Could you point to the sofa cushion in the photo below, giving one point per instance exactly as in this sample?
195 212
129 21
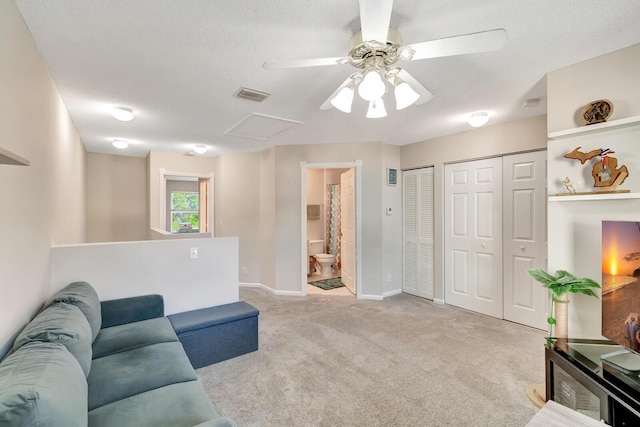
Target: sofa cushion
141 369
181 404
64 324
42 384
133 335
82 295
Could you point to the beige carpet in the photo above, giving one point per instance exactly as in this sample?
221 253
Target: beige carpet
404 361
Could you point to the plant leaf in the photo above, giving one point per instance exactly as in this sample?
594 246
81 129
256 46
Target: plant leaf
541 276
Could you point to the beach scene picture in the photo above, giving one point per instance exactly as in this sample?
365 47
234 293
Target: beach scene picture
621 282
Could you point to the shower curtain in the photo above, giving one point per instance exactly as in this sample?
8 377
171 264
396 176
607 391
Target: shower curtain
333 222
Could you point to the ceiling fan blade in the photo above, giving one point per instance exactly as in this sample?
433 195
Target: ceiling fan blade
375 16
300 63
485 41
326 105
425 95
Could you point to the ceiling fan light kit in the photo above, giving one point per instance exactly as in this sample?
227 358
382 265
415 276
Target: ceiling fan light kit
478 119
377 47
343 100
376 109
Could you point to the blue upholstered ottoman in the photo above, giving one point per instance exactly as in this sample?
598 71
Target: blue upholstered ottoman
211 335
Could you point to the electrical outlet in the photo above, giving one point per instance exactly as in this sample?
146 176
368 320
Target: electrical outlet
388 277
194 253
244 270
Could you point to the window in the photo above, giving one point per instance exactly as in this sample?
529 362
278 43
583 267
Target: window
185 211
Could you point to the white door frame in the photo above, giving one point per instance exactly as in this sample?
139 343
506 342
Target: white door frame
304 260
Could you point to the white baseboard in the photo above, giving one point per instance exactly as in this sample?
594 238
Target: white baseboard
392 293
438 301
371 297
252 285
290 293
268 289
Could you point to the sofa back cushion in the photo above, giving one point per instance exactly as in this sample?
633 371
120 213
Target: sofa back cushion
42 384
64 324
82 295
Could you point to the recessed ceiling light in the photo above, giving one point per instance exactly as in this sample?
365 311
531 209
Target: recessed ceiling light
119 143
123 114
200 149
479 119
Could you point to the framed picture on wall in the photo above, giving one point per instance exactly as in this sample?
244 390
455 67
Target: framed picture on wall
392 176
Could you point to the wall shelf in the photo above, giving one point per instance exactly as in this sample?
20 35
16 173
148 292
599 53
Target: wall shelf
599 127
9 158
595 196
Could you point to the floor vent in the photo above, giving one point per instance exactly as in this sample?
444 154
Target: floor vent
252 94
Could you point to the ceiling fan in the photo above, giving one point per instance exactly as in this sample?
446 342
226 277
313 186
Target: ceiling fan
376 49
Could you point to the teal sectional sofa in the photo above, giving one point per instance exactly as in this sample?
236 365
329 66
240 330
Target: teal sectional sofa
118 363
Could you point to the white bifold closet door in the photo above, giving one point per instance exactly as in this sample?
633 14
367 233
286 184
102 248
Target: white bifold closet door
495 228
417 231
473 236
525 237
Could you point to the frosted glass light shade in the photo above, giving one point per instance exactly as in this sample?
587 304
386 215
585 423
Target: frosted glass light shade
124 114
372 86
376 109
478 119
343 100
200 149
405 96
120 144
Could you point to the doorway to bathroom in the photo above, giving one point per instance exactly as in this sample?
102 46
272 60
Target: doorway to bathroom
330 228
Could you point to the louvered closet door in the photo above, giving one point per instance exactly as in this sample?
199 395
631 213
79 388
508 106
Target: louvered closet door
417 220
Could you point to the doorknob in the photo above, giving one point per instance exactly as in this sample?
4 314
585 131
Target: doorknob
522 248
483 245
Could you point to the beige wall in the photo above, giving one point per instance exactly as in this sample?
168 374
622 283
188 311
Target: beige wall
315 196
43 203
267 217
391 224
116 198
613 76
237 208
505 138
574 234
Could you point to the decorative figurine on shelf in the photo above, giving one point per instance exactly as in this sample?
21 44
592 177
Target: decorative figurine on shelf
568 185
597 111
606 173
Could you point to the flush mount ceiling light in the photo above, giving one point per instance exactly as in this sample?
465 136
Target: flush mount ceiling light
120 144
124 114
479 119
200 149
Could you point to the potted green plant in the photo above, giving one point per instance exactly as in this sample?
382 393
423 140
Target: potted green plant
561 285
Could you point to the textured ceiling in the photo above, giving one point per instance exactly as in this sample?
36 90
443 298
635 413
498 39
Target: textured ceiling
178 64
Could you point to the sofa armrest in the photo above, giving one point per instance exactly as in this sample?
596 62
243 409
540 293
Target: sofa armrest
133 309
219 422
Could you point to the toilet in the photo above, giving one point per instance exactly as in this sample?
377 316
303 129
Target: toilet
324 261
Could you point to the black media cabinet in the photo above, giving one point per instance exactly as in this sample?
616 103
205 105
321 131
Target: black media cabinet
576 377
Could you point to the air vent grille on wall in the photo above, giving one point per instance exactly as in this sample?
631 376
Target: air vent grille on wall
252 94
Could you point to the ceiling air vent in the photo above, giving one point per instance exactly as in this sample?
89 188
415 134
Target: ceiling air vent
252 94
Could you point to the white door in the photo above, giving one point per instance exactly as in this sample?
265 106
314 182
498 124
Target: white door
473 236
348 229
525 235
417 231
